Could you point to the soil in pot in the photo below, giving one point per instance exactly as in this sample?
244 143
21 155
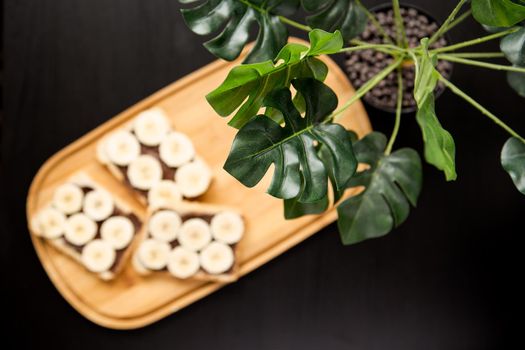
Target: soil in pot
363 65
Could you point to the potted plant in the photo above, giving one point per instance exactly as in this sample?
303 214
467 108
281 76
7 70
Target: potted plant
298 130
361 65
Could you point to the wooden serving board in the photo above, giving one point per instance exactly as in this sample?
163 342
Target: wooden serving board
132 301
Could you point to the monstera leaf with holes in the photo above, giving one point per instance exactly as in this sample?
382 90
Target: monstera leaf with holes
246 86
440 148
293 208
391 184
343 15
513 161
236 17
300 173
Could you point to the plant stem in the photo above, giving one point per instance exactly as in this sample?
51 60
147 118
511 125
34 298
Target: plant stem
458 20
364 47
475 41
294 24
481 64
400 27
482 109
476 54
372 18
399 104
386 46
369 85
361 45
416 64
447 22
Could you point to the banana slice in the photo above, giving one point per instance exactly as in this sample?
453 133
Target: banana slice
193 179
217 258
151 126
183 263
227 227
118 231
101 152
98 256
176 149
98 205
164 193
50 223
68 198
122 148
79 229
36 227
194 234
153 254
164 225
144 172
138 266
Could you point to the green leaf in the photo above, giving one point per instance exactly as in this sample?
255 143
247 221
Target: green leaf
498 13
299 171
516 80
325 153
392 184
237 17
344 15
293 208
439 145
492 29
513 46
277 116
513 161
246 86
322 42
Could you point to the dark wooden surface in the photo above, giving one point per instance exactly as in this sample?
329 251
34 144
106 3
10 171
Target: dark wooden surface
448 278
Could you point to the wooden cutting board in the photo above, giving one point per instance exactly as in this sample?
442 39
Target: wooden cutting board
132 301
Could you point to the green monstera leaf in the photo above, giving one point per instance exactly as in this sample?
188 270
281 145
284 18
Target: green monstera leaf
440 148
498 13
513 161
344 15
299 171
244 89
236 17
293 208
391 184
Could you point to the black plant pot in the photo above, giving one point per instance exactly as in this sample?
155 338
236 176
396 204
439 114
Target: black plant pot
362 65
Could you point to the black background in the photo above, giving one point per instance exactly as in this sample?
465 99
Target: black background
448 278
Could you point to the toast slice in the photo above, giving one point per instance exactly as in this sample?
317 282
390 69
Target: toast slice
159 167
191 240
87 223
